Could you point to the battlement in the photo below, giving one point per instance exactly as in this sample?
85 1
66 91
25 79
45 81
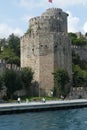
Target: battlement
42 17
35 19
54 12
48 14
25 36
54 9
52 20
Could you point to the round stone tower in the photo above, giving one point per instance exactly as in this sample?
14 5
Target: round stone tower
47 47
53 20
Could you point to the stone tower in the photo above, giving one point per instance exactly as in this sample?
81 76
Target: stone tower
47 47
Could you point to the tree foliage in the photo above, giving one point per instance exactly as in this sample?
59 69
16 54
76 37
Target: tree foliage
75 58
77 41
1 83
9 56
14 44
79 77
11 51
26 77
72 36
61 79
12 81
77 61
79 71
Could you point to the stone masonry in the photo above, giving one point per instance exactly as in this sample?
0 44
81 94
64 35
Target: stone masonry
47 47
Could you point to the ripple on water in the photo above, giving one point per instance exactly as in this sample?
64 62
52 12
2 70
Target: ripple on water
75 119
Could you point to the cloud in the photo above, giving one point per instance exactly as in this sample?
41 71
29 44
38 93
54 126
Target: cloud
6 30
32 4
85 27
66 3
73 23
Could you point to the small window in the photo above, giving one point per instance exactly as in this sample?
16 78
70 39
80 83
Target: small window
33 49
55 46
46 46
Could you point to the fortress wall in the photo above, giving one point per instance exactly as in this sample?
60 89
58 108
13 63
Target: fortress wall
47 47
29 54
46 76
46 63
81 51
62 53
24 41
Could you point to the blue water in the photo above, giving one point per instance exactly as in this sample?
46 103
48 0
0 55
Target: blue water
75 119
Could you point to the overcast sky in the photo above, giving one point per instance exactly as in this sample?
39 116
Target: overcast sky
15 14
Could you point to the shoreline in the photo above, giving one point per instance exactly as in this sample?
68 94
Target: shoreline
13 108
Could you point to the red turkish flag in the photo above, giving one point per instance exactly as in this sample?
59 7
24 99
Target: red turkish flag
50 1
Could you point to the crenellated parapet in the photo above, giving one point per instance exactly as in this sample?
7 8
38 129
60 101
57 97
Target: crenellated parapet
25 37
53 20
54 12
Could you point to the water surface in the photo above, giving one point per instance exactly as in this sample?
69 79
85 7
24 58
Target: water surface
75 119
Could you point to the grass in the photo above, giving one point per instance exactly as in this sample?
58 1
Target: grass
23 99
40 98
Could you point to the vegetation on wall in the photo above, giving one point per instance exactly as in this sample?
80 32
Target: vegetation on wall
79 66
79 71
1 83
79 77
78 41
61 78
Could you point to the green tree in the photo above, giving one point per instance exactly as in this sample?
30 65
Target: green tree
61 79
72 36
14 44
9 56
27 77
77 41
11 49
1 83
75 58
12 81
79 77
77 61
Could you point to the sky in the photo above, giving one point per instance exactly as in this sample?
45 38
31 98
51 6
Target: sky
15 14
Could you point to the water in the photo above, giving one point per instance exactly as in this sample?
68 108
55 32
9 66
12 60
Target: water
75 119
